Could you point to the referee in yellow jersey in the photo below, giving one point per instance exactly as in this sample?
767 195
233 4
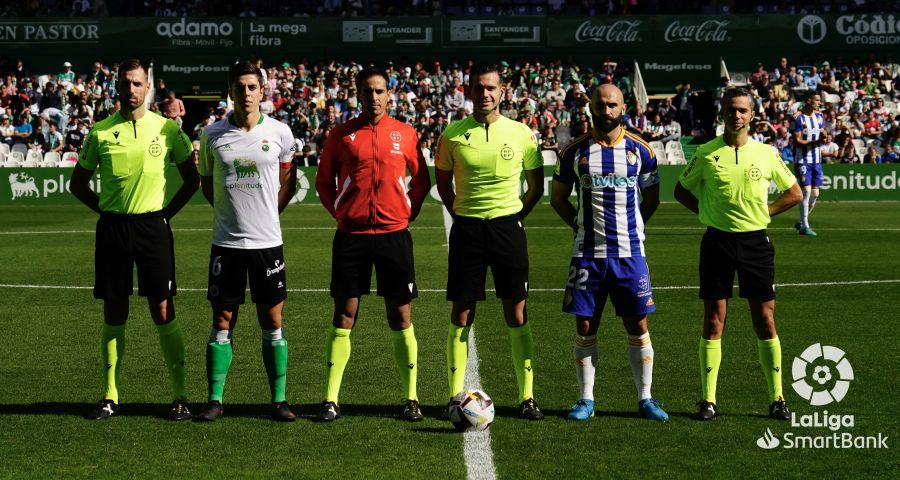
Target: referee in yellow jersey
727 184
131 149
485 155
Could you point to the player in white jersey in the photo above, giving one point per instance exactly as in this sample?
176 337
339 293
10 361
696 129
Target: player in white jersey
618 190
247 176
809 130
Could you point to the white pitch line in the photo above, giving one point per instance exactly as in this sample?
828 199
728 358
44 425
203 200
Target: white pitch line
477 451
440 290
695 228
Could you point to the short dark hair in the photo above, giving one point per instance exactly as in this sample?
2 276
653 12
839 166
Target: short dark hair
241 68
480 69
132 64
733 92
367 73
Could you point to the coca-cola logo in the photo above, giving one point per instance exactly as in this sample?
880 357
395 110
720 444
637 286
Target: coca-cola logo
621 31
707 32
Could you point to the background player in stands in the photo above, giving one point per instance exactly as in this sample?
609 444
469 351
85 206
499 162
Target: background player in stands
361 181
485 155
618 191
131 149
809 128
247 176
726 183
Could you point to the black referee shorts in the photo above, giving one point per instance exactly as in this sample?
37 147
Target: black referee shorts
750 254
123 241
475 245
354 254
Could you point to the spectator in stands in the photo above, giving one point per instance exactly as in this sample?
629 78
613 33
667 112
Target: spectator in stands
555 93
53 140
548 139
829 149
871 127
782 140
7 131
173 108
891 155
67 76
655 128
161 93
37 141
637 121
671 129
22 128
871 156
74 137
307 157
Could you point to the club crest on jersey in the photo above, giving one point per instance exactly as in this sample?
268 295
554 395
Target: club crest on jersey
265 145
506 153
631 157
395 136
352 137
584 160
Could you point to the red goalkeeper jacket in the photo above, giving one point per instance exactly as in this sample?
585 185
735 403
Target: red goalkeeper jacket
362 175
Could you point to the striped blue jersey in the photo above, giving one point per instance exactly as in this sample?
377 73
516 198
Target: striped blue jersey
609 181
810 127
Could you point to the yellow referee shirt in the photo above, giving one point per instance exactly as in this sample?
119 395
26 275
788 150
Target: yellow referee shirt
131 157
487 162
732 184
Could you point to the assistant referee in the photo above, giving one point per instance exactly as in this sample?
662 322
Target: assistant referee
726 183
131 149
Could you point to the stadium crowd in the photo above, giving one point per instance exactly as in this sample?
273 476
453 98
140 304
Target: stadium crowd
54 112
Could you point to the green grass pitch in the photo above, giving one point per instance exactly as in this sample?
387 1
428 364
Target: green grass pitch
50 366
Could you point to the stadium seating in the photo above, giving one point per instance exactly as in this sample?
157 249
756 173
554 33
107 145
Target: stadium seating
69 159
660 150
4 148
33 157
21 148
14 159
858 143
51 159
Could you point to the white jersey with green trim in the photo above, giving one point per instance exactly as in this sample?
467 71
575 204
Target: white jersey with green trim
246 170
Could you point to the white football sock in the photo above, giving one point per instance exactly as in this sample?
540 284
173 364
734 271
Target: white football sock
586 363
640 355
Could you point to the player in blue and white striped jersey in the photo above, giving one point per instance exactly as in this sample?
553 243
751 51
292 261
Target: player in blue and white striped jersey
618 190
809 130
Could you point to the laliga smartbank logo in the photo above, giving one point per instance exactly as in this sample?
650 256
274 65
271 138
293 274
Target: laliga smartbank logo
822 375
818 368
